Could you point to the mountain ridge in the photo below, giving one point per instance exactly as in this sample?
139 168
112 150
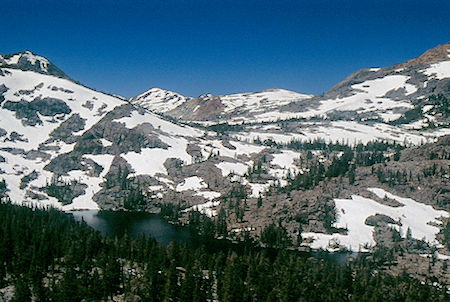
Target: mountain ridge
28 61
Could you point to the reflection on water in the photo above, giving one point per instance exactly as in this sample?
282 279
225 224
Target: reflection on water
117 223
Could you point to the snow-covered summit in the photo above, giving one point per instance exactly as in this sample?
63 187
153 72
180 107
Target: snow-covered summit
262 100
28 61
159 100
221 107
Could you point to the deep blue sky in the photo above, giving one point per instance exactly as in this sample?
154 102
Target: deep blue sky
221 47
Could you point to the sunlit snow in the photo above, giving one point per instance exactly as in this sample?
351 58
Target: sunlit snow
352 213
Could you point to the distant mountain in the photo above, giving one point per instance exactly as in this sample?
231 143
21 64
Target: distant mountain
389 94
159 100
208 107
407 102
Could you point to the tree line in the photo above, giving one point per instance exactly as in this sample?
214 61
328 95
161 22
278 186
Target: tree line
48 256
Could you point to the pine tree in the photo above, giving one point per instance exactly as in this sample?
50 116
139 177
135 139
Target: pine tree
22 291
171 288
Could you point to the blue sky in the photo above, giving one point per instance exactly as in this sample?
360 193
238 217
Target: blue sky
221 47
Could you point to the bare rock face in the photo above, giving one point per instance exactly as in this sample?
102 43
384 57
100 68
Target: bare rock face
379 219
64 132
205 107
29 61
28 111
437 54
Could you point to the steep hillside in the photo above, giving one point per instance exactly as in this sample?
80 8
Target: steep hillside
59 140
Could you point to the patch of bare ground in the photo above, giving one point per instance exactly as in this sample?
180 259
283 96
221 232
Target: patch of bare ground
306 210
420 267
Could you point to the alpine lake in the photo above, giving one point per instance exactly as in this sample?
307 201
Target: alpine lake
134 224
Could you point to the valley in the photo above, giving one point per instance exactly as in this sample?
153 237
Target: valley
361 168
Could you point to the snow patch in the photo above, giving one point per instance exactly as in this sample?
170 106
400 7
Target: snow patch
206 208
85 202
438 71
191 183
236 168
353 212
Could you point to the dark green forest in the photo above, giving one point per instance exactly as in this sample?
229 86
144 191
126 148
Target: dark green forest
49 256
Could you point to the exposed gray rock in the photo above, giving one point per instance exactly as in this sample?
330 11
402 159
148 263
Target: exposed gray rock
54 88
66 162
28 178
123 139
377 219
35 64
27 111
88 104
35 154
35 196
14 151
65 131
3 89
14 136
64 191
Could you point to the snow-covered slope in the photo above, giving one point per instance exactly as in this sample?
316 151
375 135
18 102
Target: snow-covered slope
406 103
420 219
208 107
60 141
261 101
65 145
385 94
159 100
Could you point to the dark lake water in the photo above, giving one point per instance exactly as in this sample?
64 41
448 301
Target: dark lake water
117 223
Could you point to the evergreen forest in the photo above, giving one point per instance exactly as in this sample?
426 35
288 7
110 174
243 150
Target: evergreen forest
48 256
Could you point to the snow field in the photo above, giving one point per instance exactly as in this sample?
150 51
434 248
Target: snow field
352 213
438 71
158 123
349 132
285 159
27 80
216 147
258 189
16 167
236 168
85 201
151 160
258 101
206 208
105 142
191 183
159 100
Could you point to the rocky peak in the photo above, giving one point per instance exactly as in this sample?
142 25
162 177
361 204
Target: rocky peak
438 54
28 61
